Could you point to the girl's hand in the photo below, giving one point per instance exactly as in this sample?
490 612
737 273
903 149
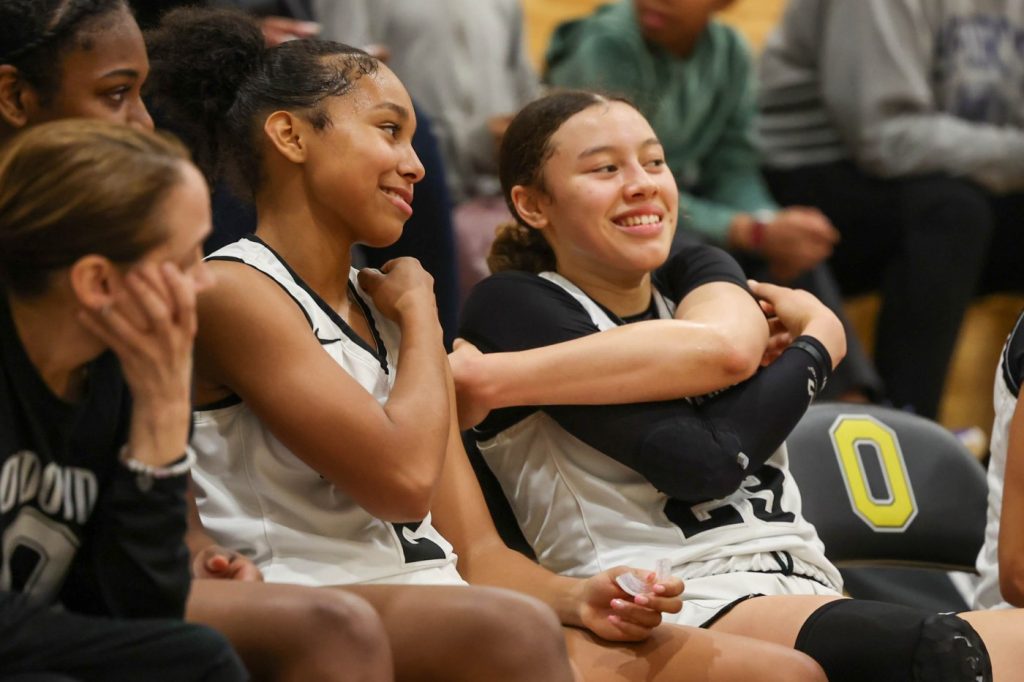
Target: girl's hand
779 337
799 312
150 325
220 563
399 288
614 614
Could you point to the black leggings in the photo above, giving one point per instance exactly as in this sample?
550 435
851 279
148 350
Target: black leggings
929 244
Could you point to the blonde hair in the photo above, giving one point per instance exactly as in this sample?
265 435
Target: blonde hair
75 187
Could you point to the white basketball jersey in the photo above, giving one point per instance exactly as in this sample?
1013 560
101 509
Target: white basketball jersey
257 497
987 594
583 512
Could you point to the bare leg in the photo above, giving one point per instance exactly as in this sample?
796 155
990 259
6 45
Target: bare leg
468 633
681 654
775 619
1003 632
290 632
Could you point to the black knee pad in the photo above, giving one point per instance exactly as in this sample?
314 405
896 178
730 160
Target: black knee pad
857 640
950 650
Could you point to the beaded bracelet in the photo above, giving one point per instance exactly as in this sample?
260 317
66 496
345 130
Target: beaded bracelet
179 468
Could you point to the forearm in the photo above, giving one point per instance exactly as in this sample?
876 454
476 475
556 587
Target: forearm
1011 540
159 429
992 156
496 565
418 403
702 449
135 563
652 360
879 86
709 219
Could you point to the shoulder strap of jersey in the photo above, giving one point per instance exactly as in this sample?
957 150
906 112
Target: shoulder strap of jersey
258 257
666 308
1011 350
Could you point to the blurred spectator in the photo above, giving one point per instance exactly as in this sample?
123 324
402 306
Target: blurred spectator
903 120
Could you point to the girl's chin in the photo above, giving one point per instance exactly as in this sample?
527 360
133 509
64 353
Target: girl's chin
381 239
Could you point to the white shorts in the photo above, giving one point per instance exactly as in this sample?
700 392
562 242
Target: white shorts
436 575
710 597
307 574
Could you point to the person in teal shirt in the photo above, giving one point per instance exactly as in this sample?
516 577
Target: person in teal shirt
692 77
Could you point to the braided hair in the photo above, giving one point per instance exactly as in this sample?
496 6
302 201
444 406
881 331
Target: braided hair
35 34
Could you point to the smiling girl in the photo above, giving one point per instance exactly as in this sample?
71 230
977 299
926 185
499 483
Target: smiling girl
633 423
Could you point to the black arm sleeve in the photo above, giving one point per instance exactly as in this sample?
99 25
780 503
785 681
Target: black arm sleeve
133 562
700 449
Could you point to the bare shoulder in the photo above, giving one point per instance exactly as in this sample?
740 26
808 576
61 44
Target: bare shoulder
244 296
245 320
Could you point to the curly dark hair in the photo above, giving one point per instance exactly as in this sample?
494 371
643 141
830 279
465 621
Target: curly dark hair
212 74
35 35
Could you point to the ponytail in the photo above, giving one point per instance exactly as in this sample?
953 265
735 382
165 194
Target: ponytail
517 247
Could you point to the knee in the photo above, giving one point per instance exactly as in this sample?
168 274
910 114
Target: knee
905 644
800 666
521 636
339 628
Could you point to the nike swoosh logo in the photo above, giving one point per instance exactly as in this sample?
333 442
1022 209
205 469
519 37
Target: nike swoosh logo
324 342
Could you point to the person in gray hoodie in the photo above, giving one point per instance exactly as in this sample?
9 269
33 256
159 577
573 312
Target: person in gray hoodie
903 121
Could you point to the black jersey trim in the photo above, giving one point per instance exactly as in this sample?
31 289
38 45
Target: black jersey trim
726 609
381 352
235 259
739 600
227 401
1014 347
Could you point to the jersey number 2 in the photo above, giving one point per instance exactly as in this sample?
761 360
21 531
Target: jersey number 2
761 492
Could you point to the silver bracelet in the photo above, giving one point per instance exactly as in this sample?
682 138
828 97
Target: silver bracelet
179 468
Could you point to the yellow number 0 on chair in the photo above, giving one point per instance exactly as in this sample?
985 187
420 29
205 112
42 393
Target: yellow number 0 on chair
891 514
